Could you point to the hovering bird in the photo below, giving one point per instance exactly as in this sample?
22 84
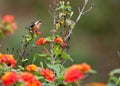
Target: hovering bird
34 28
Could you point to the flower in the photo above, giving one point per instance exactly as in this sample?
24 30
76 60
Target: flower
8 59
58 40
35 83
8 18
72 75
85 68
27 77
9 78
96 84
9 24
31 67
49 75
64 44
41 41
30 79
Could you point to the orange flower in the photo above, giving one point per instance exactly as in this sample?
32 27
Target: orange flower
7 59
49 75
85 68
72 75
8 20
9 78
35 83
41 41
96 84
31 67
58 40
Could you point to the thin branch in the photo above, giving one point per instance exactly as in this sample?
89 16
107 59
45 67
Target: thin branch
81 12
70 32
88 9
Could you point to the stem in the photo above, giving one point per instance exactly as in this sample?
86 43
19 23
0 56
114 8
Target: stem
47 51
53 30
65 28
77 83
22 52
52 46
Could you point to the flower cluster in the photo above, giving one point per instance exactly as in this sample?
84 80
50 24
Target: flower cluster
49 75
57 40
76 72
12 78
7 59
30 79
8 25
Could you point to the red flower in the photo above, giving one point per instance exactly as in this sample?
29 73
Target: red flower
64 44
35 83
8 59
72 75
9 78
58 40
41 41
49 75
8 18
27 77
8 21
30 79
31 67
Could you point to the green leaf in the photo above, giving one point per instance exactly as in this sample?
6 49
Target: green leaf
19 83
57 68
66 56
116 71
92 71
21 68
57 50
111 84
28 38
24 60
68 8
118 82
38 55
39 77
49 38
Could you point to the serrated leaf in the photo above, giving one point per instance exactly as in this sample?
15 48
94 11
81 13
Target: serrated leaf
38 55
66 56
57 68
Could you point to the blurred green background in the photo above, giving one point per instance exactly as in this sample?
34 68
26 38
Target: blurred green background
95 40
